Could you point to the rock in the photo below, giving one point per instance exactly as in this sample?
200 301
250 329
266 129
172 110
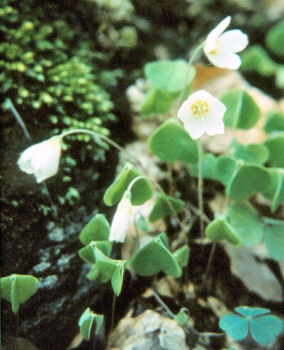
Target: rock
150 331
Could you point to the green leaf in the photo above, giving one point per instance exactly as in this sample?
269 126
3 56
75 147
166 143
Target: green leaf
274 122
156 102
170 76
165 205
88 322
275 189
256 59
275 38
94 273
111 269
117 277
155 257
242 111
248 180
248 311
279 76
235 326
181 317
220 229
142 224
246 223
256 154
88 253
182 255
221 168
141 191
96 230
170 142
17 289
264 329
275 144
274 241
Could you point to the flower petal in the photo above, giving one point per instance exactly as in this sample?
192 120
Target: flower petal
225 59
42 159
233 40
213 124
194 127
217 31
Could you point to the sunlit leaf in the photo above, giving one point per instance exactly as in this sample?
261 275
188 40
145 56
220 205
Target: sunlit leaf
170 142
156 102
170 76
242 111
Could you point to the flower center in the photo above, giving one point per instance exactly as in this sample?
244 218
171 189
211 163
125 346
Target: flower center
199 108
216 47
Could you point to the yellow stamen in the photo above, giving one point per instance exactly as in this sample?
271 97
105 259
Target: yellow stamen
199 108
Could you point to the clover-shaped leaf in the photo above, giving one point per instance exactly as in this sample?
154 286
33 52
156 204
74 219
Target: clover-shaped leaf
181 317
264 328
155 257
170 142
156 102
274 122
111 269
274 241
248 180
253 154
170 76
17 289
274 39
220 229
165 205
246 223
141 190
182 255
242 111
275 144
275 189
96 230
88 253
90 322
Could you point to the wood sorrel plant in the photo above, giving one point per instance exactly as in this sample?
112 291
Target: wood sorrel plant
242 170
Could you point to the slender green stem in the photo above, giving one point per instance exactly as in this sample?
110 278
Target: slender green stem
113 311
212 252
190 62
200 189
164 306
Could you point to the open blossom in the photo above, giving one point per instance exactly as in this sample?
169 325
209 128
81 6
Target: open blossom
121 219
202 113
42 159
220 48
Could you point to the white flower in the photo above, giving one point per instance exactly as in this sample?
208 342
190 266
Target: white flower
42 159
220 48
121 219
202 113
